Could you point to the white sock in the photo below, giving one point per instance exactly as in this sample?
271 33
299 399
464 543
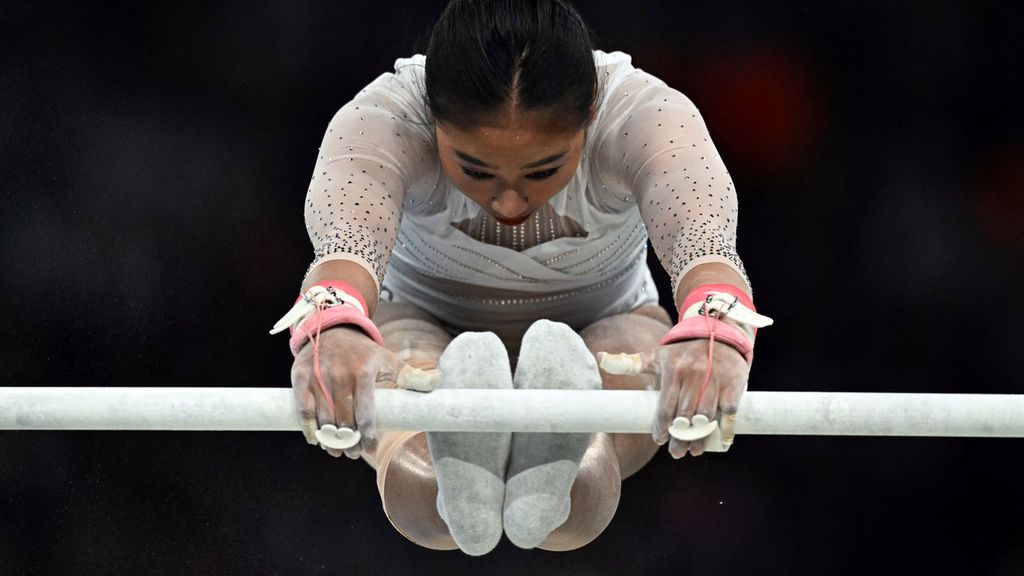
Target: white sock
542 466
470 466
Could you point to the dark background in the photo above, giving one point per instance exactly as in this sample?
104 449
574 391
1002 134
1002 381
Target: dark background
153 164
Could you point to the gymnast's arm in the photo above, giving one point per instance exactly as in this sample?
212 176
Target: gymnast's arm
376 152
658 151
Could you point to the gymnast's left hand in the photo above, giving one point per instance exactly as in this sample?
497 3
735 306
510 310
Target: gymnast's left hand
681 368
687 387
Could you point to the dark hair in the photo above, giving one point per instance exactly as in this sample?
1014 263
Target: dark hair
534 55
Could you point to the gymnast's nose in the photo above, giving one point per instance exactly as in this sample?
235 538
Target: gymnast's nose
509 203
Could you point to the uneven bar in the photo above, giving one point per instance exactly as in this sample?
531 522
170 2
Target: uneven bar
268 409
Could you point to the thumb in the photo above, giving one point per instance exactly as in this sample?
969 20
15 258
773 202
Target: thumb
630 364
406 376
419 380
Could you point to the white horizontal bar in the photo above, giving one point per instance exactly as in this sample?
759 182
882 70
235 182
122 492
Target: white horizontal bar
798 413
133 408
517 410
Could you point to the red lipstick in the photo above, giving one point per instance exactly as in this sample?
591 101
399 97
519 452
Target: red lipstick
512 221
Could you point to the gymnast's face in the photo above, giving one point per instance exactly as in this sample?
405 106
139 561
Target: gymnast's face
510 168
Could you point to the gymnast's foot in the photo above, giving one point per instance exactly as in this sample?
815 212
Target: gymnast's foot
543 466
470 466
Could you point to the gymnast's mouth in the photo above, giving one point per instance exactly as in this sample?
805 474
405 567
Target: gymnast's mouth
513 221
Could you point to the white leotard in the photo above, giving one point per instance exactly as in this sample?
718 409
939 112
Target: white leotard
649 169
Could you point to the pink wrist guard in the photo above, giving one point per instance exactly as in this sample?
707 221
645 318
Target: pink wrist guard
704 325
333 315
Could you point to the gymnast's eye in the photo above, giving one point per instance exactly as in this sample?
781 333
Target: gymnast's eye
543 175
477 175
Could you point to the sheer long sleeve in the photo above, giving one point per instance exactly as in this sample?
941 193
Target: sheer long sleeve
656 148
377 149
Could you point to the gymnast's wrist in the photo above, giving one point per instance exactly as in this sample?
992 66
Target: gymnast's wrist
323 305
721 312
338 293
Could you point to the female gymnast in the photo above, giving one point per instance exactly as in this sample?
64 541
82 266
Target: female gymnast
495 196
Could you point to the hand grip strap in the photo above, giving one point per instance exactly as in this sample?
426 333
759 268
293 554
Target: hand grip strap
697 327
702 313
329 303
328 317
701 316
323 305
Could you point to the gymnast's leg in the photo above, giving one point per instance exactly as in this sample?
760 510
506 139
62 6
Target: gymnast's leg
610 457
405 474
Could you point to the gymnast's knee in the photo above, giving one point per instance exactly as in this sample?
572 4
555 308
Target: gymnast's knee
595 498
408 492
640 328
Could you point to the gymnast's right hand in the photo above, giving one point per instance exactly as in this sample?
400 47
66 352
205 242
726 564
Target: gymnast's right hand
351 366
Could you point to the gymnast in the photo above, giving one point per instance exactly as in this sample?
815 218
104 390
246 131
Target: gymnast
485 210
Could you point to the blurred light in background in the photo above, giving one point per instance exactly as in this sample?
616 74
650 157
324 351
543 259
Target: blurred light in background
999 203
764 108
